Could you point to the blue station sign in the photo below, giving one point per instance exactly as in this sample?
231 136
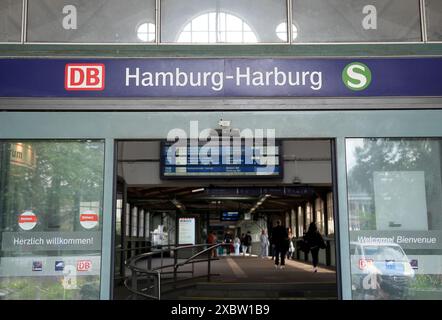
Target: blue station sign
223 77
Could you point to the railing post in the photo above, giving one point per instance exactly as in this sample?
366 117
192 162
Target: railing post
327 253
209 257
158 286
175 262
134 283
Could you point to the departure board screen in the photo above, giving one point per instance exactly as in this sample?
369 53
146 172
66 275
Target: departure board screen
230 216
197 160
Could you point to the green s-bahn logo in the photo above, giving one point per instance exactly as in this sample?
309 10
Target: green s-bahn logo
356 76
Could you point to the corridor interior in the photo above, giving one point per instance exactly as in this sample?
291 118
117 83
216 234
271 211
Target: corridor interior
155 216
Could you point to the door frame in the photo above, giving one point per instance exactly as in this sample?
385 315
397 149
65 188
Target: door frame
329 124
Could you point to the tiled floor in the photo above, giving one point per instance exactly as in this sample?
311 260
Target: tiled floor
240 273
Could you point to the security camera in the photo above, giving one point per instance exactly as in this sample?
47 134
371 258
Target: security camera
224 123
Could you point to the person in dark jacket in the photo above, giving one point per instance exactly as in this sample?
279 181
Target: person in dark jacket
280 239
247 244
315 242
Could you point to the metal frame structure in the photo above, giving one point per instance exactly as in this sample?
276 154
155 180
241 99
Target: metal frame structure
157 42
331 124
329 118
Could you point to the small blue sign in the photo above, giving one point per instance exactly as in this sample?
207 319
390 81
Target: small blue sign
37 265
414 264
59 265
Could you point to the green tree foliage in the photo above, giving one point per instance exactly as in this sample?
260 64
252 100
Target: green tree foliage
53 179
63 175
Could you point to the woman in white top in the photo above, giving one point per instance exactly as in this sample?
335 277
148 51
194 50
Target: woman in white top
236 245
291 252
264 240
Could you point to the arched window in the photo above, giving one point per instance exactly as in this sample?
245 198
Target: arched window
281 31
217 27
146 32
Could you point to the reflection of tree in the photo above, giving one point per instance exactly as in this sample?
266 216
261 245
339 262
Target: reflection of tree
392 155
388 155
65 174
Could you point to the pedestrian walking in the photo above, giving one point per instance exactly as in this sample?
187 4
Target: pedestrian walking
314 241
247 245
264 242
280 240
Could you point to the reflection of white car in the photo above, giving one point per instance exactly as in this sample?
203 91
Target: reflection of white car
380 268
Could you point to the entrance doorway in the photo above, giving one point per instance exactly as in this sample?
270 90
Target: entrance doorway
183 232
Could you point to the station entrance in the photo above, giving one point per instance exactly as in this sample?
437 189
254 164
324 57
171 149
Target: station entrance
203 236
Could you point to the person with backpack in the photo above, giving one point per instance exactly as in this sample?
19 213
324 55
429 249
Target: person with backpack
314 242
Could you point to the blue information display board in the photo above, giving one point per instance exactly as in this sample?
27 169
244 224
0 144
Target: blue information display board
202 161
230 216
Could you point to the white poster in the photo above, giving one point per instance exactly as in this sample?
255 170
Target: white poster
186 231
400 200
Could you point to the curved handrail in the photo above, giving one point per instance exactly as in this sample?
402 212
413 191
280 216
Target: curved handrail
132 261
157 273
131 264
200 253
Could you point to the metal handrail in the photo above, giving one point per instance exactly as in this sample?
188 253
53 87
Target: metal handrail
156 272
120 249
200 253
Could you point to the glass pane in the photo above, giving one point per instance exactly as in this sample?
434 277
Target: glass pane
218 21
200 37
146 32
98 21
51 207
293 222
356 20
134 221
118 226
118 219
395 218
141 224
308 214
319 207
300 222
433 10
147 225
330 218
10 20
127 229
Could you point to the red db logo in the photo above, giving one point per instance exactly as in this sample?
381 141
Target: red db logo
84 265
84 76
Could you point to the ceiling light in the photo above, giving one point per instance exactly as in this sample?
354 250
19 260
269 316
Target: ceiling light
198 190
